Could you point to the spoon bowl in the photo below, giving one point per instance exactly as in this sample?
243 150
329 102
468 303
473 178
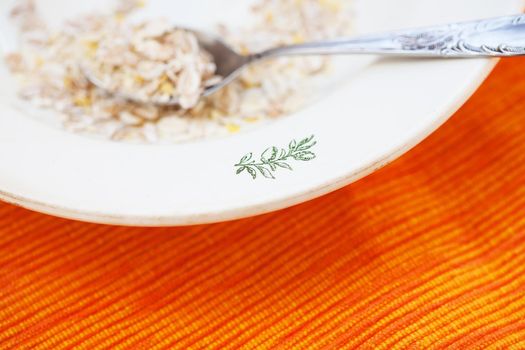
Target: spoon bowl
228 63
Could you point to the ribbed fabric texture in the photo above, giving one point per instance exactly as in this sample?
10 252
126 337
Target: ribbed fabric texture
427 253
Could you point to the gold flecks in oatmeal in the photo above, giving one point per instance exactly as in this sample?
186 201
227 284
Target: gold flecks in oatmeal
158 61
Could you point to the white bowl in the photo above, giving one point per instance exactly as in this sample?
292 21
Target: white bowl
379 110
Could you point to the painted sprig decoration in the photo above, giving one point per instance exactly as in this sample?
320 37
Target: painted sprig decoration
274 158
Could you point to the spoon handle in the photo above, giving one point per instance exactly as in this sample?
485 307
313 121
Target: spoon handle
496 37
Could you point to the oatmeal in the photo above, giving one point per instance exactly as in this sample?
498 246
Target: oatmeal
153 61
161 62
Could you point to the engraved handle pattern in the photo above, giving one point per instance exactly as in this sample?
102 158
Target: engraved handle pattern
503 36
496 37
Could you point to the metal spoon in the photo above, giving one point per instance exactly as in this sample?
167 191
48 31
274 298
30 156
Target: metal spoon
496 37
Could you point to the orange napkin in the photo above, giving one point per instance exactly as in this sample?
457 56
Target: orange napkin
428 253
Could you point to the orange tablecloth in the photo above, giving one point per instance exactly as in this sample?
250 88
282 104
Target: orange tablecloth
427 253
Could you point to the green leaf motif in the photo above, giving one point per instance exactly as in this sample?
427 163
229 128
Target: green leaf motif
275 158
304 156
306 146
304 141
252 172
269 155
246 158
284 165
266 173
